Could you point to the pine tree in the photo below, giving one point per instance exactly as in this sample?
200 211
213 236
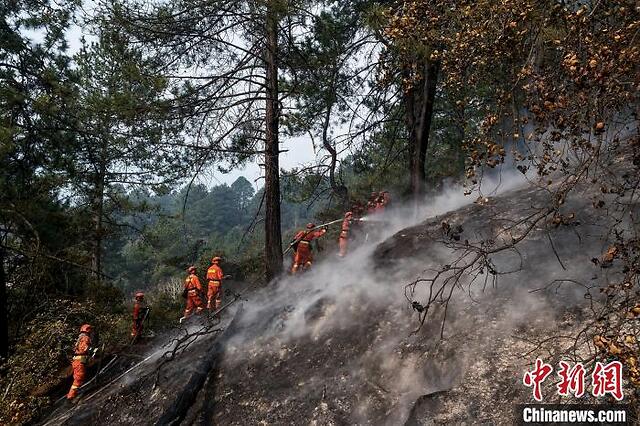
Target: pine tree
222 60
123 139
36 87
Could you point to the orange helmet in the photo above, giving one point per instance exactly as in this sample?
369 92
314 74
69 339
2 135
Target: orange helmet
86 328
191 269
139 295
311 225
216 259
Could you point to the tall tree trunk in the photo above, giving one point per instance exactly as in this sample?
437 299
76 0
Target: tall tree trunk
98 225
419 101
4 319
273 233
459 126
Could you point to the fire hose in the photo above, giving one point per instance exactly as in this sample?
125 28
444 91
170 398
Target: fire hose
235 299
101 370
106 386
297 240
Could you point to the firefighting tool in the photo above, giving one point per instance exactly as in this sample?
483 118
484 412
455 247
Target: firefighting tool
309 230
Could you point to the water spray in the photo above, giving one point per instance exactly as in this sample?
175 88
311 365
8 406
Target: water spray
296 241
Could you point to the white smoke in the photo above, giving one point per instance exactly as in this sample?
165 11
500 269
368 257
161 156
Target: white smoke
339 295
346 327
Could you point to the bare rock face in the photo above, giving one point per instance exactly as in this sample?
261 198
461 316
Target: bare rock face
343 344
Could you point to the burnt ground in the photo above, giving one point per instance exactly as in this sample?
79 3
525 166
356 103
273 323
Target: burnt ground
135 390
341 345
371 367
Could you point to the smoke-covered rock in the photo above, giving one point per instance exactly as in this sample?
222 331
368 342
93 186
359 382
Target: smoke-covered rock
343 344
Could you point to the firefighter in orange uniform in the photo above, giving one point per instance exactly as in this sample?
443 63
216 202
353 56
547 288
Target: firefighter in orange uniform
214 276
344 234
193 290
387 198
81 355
383 200
140 313
380 203
372 204
302 244
357 210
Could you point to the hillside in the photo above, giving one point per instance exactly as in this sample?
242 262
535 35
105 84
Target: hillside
339 345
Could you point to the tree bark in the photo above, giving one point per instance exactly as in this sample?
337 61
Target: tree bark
459 126
419 102
98 212
4 319
273 233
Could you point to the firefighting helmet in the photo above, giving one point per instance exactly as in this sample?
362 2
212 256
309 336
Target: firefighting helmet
139 295
86 328
216 259
311 225
191 269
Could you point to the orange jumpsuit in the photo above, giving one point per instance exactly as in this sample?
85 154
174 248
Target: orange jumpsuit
371 207
304 255
79 363
214 275
139 310
383 201
344 237
194 289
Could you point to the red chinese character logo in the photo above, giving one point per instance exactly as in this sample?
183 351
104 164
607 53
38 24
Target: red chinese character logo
536 377
607 379
572 380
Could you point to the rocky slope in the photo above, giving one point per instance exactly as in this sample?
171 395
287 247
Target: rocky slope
341 344
343 348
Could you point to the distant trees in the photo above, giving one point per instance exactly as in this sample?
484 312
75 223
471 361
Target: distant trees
217 220
243 191
122 137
